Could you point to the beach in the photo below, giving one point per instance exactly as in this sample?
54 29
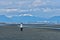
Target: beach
14 33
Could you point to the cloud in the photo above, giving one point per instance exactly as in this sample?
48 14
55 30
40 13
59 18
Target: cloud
5 3
22 2
15 10
14 4
11 10
9 16
36 7
45 3
28 3
47 9
51 10
37 3
25 15
8 10
23 10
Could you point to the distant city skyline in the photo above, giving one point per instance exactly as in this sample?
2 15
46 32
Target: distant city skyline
39 8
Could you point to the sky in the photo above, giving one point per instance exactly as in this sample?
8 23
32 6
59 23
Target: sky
39 8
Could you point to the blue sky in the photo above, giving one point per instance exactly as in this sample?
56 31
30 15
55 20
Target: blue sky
39 8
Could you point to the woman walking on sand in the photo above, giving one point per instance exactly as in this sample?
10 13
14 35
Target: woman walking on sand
21 27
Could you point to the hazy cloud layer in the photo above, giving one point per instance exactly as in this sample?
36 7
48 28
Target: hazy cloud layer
40 8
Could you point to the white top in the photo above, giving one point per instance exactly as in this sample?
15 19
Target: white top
21 26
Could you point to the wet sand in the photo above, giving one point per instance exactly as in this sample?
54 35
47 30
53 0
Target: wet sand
14 33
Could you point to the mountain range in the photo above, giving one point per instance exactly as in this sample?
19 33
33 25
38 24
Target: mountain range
28 19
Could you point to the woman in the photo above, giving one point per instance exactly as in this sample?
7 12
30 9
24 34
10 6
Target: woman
21 27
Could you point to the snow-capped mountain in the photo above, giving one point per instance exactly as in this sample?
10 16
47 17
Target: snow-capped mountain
24 18
28 18
55 19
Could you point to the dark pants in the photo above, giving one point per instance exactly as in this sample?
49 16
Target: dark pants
21 29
